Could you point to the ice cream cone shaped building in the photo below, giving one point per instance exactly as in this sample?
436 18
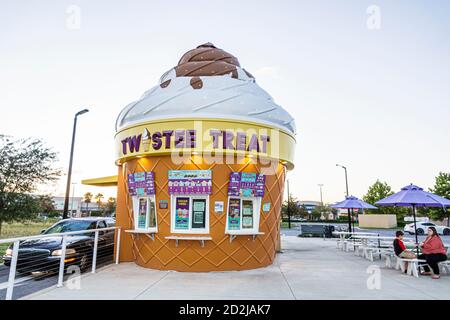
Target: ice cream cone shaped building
202 159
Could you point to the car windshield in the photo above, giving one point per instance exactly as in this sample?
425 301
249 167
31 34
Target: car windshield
71 225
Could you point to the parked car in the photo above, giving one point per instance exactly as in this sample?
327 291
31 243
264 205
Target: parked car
422 228
44 254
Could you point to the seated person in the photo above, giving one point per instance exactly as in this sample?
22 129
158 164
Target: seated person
400 248
433 251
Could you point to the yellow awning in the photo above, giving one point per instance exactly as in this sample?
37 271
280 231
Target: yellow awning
110 181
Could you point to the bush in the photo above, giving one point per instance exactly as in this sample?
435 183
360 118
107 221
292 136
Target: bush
97 213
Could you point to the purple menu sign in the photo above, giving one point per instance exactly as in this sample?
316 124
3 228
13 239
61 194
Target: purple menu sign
141 184
246 184
259 185
235 182
190 182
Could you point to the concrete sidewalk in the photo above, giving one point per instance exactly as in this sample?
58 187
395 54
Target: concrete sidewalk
307 269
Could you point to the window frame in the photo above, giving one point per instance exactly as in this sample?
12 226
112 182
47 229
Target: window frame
256 215
150 198
190 230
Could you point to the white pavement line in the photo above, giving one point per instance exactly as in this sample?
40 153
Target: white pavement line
152 285
4 285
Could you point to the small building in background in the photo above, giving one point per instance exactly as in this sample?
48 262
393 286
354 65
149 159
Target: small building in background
75 204
78 208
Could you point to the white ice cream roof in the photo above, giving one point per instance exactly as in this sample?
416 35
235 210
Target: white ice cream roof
231 96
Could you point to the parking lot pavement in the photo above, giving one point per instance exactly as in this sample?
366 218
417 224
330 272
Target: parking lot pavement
308 268
25 285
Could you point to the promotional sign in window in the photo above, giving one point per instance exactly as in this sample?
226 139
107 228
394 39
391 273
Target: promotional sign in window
192 182
234 214
141 184
152 218
198 213
243 184
182 213
142 214
247 214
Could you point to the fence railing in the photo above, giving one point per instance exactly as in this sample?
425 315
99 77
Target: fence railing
55 261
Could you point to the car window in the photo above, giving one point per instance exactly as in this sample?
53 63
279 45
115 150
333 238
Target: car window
70 225
101 224
428 224
111 223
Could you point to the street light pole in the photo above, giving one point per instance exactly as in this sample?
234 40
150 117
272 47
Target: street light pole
69 173
321 200
73 196
346 190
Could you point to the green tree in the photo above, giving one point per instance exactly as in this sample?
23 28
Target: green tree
87 199
46 204
441 188
320 210
380 190
25 164
302 211
292 205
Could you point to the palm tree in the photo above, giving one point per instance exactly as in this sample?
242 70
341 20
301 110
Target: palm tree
87 199
111 205
99 197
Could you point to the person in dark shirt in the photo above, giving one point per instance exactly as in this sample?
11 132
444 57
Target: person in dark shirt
400 248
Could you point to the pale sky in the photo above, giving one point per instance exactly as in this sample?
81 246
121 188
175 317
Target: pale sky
375 100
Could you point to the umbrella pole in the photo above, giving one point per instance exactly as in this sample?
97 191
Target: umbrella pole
415 228
349 221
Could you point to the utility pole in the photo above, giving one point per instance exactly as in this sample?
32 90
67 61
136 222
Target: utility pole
69 173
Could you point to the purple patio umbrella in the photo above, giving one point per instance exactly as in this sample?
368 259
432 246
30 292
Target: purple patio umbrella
352 202
414 196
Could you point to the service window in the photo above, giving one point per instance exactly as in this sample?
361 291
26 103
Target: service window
144 213
243 214
190 214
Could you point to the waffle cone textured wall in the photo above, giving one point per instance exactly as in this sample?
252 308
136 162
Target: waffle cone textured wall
218 254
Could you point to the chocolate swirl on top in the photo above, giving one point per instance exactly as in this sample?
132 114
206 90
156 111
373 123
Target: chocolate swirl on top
207 60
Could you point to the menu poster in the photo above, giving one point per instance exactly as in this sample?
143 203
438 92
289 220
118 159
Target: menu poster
142 213
182 213
246 184
141 184
190 182
131 185
234 216
259 185
234 185
149 183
